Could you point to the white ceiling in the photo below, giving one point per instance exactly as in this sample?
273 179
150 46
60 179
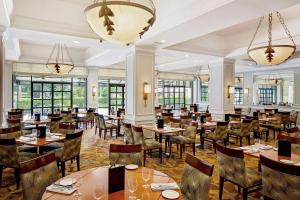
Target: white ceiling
197 32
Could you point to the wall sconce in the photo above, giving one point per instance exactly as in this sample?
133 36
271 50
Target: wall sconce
147 90
246 91
93 91
230 91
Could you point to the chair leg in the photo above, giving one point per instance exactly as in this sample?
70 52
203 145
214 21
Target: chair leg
170 146
17 175
194 148
181 149
160 154
249 139
78 162
245 193
241 141
100 132
239 189
214 145
95 130
202 142
63 168
145 152
221 188
1 171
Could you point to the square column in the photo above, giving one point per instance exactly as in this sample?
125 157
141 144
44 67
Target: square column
248 84
92 82
2 77
140 71
297 89
221 77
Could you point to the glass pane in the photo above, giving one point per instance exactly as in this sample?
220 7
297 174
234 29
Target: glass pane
57 87
37 110
67 95
37 95
113 89
58 103
37 103
37 87
57 95
46 111
67 103
47 95
67 87
47 103
47 87
120 89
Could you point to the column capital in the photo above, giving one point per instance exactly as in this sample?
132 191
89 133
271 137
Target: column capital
222 61
144 48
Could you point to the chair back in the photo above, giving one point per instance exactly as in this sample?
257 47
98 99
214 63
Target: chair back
53 115
66 116
167 117
66 128
128 136
190 132
37 175
208 117
246 127
231 164
285 118
102 123
235 117
125 154
137 133
90 115
9 156
10 132
221 130
15 115
175 123
196 178
72 145
238 111
13 122
294 116
279 180
54 124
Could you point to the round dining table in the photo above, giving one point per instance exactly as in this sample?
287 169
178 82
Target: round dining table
90 177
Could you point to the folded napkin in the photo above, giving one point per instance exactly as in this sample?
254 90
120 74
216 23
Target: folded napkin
164 186
52 138
26 139
266 147
61 189
251 151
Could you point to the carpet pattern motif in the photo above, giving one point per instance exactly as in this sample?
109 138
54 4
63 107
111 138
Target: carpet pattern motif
95 151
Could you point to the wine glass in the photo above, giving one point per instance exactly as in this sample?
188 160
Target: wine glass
132 187
98 191
146 177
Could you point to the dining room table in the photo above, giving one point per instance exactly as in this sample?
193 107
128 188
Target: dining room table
98 177
35 123
39 143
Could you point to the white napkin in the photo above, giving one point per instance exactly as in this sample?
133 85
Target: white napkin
25 139
251 151
61 189
164 186
52 138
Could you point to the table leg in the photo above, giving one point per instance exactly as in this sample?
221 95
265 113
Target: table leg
118 129
199 146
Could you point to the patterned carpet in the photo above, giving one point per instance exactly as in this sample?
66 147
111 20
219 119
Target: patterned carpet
94 153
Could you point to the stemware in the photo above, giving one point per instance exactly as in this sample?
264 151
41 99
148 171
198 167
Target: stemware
146 177
132 187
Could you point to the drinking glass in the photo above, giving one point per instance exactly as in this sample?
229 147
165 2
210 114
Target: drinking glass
146 177
77 186
98 191
132 187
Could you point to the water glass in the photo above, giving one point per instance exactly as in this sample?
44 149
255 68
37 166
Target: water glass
98 191
146 177
132 187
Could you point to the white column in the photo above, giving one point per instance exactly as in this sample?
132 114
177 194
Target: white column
2 81
8 73
221 76
140 69
297 88
196 91
92 82
248 84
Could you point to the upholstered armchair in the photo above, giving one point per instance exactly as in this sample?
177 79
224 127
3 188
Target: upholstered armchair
235 117
148 144
244 131
128 137
125 154
66 128
67 117
10 157
175 123
274 125
105 126
37 175
166 117
219 134
232 168
54 124
196 178
15 115
258 129
280 181
294 117
88 119
10 132
186 119
69 151
18 122
187 138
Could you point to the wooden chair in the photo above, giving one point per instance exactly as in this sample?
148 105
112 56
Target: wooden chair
10 132
128 137
238 111
243 132
293 118
166 117
232 168
15 115
196 178
105 126
125 154
54 124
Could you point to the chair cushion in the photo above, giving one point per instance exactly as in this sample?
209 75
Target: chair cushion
24 156
109 125
181 140
253 177
151 144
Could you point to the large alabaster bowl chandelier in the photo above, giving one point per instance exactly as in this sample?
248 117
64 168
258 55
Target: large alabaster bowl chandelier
272 54
203 78
60 62
121 21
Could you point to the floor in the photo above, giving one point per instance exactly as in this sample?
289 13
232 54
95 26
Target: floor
94 153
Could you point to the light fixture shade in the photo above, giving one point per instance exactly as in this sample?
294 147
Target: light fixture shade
231 90
280 55
60 68
120 21
147 88
246 91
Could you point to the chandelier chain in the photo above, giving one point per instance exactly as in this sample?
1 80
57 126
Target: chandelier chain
287 31
259 25
270 29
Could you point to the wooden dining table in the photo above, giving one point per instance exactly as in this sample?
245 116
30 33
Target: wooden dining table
163 131
94 176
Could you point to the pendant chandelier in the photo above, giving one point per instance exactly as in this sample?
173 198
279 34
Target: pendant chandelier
203 78
62 64
272 54
120 21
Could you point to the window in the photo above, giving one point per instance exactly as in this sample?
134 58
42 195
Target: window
267 94
238 95
79 93
204 92
22 93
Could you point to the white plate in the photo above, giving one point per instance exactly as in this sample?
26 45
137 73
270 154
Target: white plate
287 161
131 167
67 181
170 194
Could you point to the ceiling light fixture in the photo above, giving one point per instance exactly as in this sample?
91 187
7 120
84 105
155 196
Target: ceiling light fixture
119 21
76 42
271 54
62 64
203 78
162 41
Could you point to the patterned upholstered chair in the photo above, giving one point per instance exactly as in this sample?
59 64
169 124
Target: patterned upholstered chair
235 117
125 154
280 181
238 111
10 132
105 126
128 137
196 178
258 129
37 175
275 125
67 116
293 118
54 124
186 119
18 122
69 151
53 115
88 119
219 134
175 123
187 138
232 168
10 157
208 117
15 115
244 131
66 128
148 144
166 117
